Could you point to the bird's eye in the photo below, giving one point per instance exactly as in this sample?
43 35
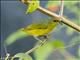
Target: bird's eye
55 21
45 36
39 28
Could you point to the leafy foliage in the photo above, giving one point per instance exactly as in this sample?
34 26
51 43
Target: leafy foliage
33 5
43 52
14 36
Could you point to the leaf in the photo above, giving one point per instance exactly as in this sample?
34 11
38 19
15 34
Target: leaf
44 51
22 56
33 5
40 29
58 44
14 36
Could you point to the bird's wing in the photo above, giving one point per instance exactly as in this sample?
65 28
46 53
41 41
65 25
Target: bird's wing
37 26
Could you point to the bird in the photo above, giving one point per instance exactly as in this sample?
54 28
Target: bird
40 29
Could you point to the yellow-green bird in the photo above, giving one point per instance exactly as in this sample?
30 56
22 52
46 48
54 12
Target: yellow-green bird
40 29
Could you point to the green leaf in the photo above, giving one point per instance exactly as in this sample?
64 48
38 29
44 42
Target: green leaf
33 5
22 56
44 51
58 44
14 36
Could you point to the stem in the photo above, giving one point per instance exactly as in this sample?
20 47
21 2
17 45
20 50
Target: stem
34 48
57 17
5 49
37 46
7 56
62 8
49 13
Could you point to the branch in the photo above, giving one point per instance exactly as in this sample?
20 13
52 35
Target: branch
41 43
59 18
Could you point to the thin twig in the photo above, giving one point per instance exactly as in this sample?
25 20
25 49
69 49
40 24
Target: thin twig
37 46
7 54
62 8
34 48
5 49
57 17
49 13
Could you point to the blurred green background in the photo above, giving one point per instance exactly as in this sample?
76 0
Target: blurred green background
13 18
